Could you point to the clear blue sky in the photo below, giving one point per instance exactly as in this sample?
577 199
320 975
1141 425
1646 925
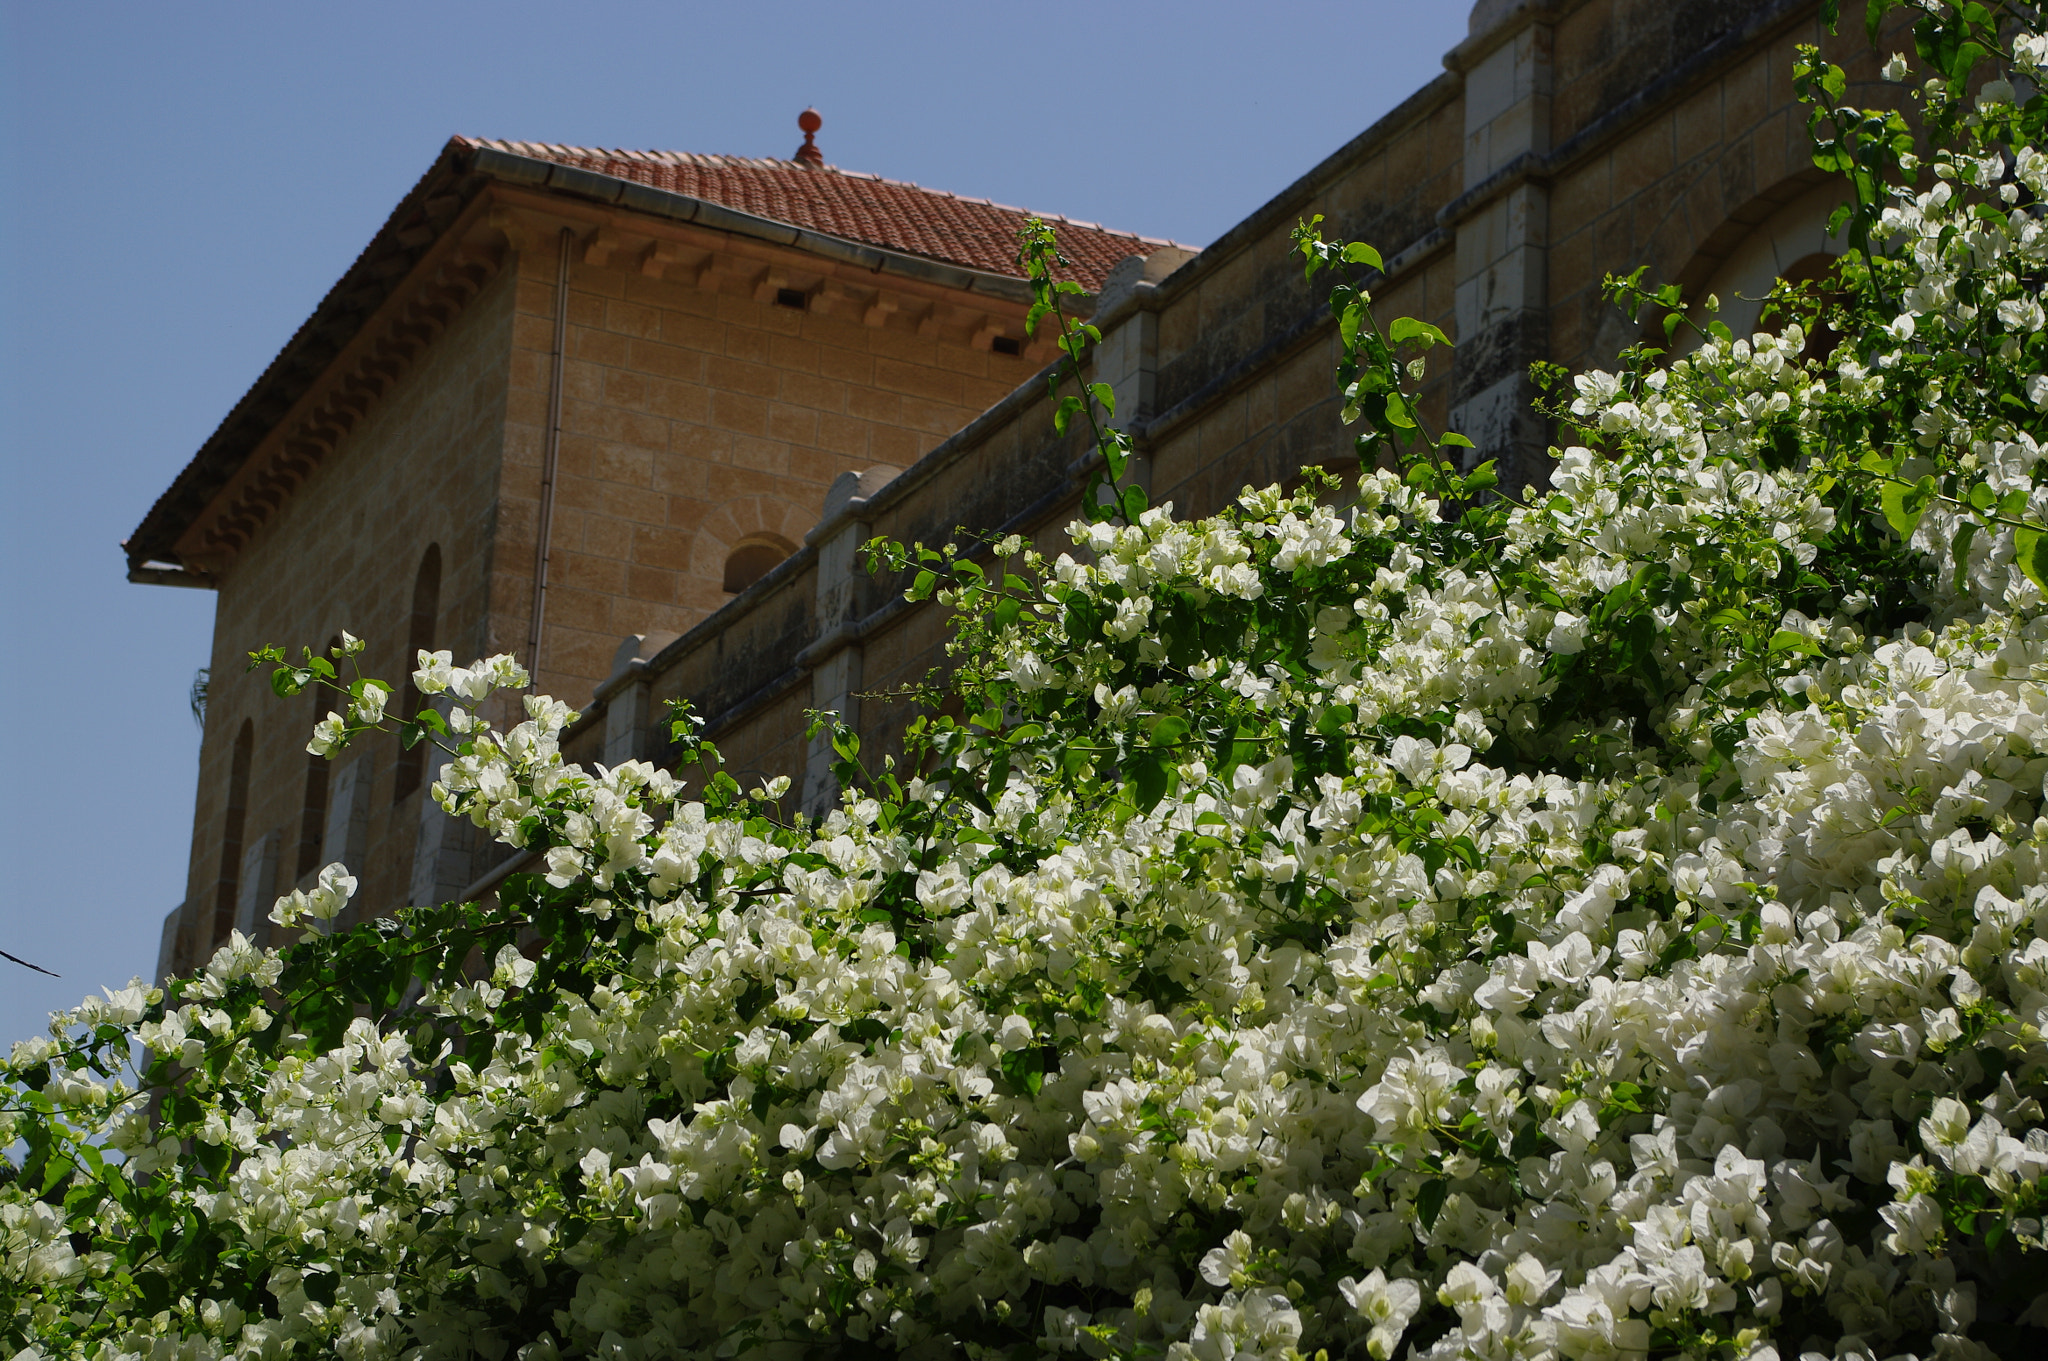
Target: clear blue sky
180 184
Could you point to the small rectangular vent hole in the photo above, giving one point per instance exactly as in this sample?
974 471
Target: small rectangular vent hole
791 297
1007 345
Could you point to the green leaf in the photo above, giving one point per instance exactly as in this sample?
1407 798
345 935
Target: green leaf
212 1157
1133 502
1169 730
1114 459
1408 328
1451 439
1024 1069
867 1029
1787 640
1965 61
2030 546
1105 394
1959 551
1397 412
1063 414
1358 253
1904 503
1149 780
1234 748
1429 1201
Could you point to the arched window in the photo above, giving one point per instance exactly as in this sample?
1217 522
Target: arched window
1817 269
230 881
1789 239
426 610
313 817
753 558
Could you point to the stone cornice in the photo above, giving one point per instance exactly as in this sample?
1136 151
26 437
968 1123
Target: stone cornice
708 255
390 259
1616 122
451 272
1505 21
634 197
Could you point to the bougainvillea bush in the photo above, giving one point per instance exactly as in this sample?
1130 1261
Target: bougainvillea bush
1418 919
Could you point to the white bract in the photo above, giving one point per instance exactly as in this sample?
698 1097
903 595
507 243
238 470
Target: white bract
1625 933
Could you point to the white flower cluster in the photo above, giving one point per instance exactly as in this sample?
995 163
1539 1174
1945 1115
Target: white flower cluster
1628 938
331 892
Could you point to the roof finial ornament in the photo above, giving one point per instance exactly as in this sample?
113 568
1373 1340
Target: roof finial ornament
810 122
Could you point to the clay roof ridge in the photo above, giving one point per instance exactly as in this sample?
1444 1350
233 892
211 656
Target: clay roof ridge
713 160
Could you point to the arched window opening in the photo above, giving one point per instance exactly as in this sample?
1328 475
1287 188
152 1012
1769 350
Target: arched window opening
313 817
1787 241
230 880
1818 269
426 610
753 559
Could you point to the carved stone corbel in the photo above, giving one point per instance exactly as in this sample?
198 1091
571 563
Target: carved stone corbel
657 256
599 245
510 225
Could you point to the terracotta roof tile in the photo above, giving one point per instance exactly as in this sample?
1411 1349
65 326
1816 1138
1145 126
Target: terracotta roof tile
866 208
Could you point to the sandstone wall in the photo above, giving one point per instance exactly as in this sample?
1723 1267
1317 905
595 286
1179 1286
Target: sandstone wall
696 417
420 467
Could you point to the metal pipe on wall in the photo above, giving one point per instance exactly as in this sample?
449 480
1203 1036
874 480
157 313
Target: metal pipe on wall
549 461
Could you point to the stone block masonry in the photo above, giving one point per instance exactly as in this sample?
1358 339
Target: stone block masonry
696 418
418 470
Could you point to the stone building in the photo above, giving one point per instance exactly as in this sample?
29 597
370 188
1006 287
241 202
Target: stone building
630 413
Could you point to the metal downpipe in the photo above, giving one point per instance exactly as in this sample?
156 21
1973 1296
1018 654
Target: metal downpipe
550 460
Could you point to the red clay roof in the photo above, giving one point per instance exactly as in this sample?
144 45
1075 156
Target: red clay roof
867 208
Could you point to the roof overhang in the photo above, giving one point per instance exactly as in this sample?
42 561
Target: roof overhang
569 181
